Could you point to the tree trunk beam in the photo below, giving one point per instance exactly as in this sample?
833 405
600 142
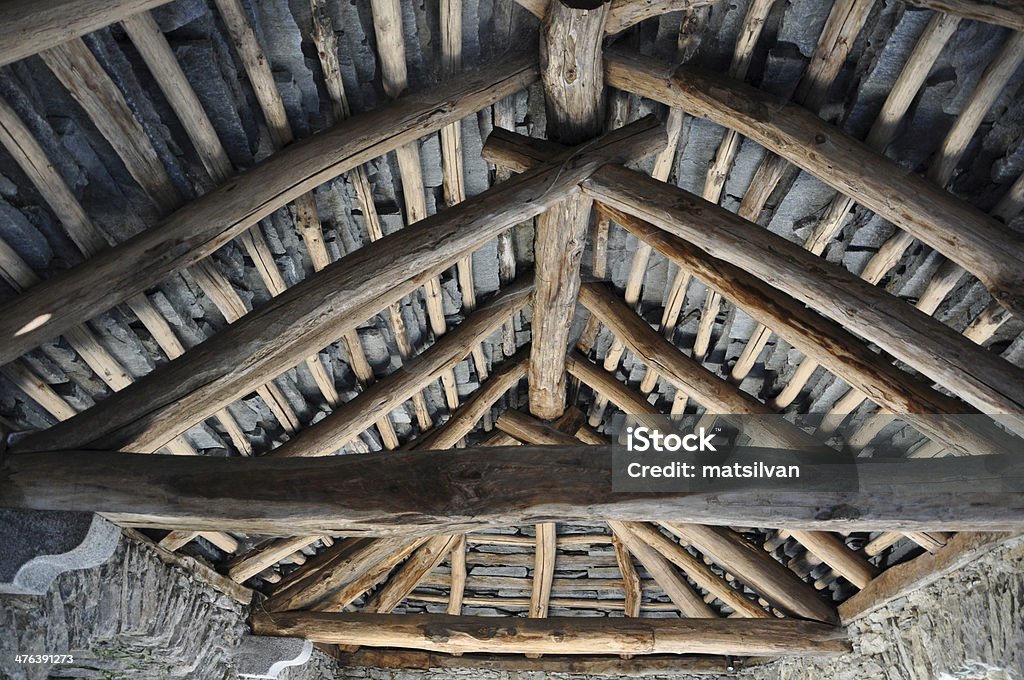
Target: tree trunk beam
572 74
433 492
784 589
822 341
28 27
690 603
897 581
1009 13
465 634
981 378
951 226
339 574
316 312
201 227
337 429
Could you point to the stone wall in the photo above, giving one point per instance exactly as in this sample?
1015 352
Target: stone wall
137 617
966 626
133 618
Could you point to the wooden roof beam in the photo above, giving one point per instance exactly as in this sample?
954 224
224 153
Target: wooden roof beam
624 13
314 313
1009 13
964 234
432 492
201 227
784 589
346 422
573 78
28 27
988 382
464 634
824 341
690 603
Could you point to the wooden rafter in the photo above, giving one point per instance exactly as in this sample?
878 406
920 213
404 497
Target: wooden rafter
334 431
431 492
986 248
199 228
827 342
975 375
314 313
439 632
28 27
1009 13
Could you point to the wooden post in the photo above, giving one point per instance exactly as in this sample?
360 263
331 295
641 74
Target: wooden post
571 70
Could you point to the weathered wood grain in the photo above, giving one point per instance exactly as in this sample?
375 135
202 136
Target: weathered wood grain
573 78
443 633
203 226
314 313
433 492
979 377
951 226
28 27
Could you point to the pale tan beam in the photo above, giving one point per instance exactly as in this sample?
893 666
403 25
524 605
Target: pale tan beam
543 569
327 49
439 632
28 27
699 572
426 558
346 422
79 71
663 165
1009 13
985 248
256 560
307 220
844 23
340 574
982 380
202 226
313 313
571 71
457 586
921 571
833 551
451 157
808 331
387 24
756 569
465 418
991 85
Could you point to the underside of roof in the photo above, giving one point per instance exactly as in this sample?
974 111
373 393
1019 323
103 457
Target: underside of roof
274 142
